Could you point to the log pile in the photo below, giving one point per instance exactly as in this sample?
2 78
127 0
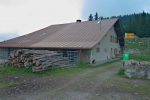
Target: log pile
39 60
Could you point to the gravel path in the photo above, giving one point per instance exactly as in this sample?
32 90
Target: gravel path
92 84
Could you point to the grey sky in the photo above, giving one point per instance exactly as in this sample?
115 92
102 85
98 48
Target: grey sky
25 16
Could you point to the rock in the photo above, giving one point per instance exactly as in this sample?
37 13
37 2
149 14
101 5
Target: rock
137 69
140 74
16 77
130 73
136 93
146 98
97 94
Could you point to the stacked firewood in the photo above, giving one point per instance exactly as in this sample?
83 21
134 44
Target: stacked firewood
39 60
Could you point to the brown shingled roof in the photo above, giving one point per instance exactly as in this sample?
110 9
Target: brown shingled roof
83 35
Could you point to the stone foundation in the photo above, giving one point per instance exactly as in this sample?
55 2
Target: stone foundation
136 69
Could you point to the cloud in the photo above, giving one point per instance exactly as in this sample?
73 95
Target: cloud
6 36
24 16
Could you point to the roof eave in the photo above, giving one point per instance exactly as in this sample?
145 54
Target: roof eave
79 48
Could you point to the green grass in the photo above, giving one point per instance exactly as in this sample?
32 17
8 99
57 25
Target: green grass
64 71
50 72
121 72
140 57
4 85
131 85
140 43
102 68
143 46
136 46
15 71
140 88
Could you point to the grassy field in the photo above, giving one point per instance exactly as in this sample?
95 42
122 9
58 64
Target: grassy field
142 46
139 43
51 72
140 57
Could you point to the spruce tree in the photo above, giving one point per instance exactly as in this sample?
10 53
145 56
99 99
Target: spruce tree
96 16
90 17
136 23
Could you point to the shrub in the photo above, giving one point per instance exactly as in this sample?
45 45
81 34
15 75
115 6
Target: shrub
121 72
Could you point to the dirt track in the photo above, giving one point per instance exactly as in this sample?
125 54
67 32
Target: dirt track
92 84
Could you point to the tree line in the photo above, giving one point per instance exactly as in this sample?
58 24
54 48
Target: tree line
138 23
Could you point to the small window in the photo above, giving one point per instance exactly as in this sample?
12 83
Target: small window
97 49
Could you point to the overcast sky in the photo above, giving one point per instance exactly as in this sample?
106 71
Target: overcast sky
18 17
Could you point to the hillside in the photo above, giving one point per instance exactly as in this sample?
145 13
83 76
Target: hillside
136 23
139 48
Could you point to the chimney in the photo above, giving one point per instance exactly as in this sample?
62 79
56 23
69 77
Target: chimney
78 21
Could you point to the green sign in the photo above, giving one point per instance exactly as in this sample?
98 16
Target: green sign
125 56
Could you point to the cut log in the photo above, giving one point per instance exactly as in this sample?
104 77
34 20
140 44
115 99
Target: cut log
39 60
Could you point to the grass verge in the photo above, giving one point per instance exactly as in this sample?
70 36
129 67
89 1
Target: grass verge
135 86
50 72
121 72
4 85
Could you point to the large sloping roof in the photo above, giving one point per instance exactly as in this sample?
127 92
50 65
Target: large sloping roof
79 35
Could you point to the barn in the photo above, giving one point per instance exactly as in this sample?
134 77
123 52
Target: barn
93 42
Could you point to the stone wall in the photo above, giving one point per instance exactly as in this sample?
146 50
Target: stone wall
137 69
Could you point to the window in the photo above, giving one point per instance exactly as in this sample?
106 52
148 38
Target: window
97 49
113 39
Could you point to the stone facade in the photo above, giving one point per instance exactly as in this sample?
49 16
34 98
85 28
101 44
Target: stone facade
106 49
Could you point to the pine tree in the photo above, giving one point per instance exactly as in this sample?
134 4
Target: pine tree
136 23
96 16
90 17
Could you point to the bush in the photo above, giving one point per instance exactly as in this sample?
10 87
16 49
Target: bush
121 72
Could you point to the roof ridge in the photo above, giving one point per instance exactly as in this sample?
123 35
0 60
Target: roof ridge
76 34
